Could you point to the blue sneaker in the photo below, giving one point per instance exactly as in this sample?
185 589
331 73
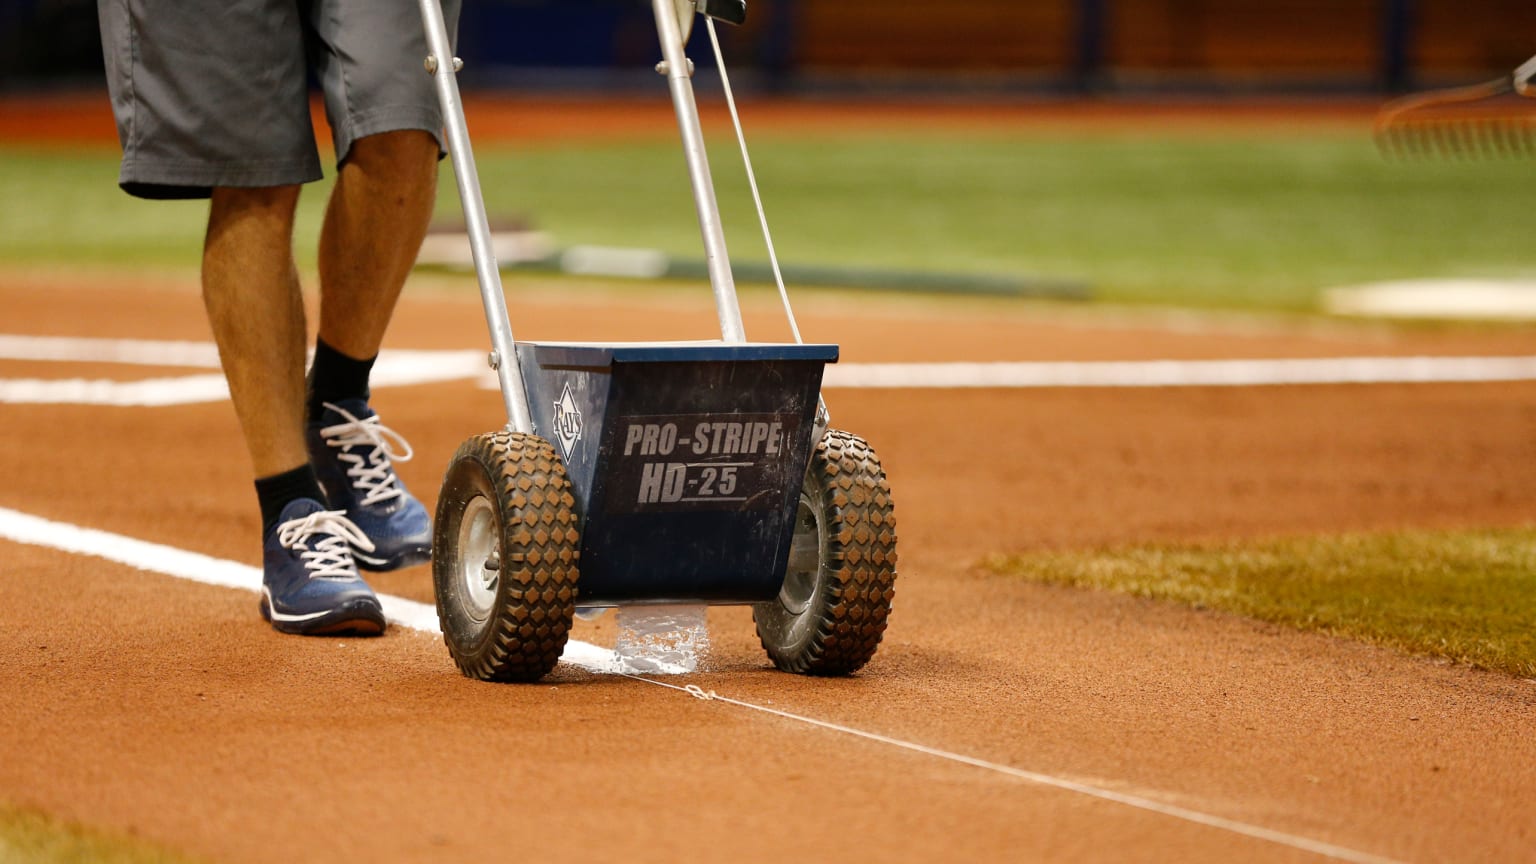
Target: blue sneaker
352 452
309 583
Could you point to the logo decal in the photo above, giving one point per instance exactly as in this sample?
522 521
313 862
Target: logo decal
567 421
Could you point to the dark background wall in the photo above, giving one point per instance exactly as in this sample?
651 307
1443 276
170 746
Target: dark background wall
1009 45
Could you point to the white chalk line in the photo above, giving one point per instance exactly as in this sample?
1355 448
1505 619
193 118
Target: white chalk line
144 393
1184 373
395 368
1257 832
404 367
136 352
197 567
167 560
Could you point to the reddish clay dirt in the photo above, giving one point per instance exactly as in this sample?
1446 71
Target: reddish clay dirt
142 704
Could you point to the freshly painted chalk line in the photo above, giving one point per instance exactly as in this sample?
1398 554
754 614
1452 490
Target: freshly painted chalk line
402 367
196 567
394 368
1296 842
1184 373
170 561
141 352
144 393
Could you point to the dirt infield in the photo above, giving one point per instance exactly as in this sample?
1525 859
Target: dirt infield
140 703
1096 727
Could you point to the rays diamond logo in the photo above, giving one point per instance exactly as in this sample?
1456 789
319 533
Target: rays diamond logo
567 421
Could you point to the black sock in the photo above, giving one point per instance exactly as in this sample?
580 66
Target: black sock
334 377
276 491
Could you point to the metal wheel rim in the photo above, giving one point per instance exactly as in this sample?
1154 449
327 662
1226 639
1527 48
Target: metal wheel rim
478 544
805 556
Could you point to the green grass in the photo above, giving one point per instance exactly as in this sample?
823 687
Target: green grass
1467 596
30 837
1216 219
1226 221
64 208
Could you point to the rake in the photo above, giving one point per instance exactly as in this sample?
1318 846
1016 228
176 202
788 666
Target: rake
1491 119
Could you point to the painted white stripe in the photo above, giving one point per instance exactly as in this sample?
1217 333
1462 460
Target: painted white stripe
399 368
24 528
406 367
394 369
141 352
153 557
1318 847
1184 373
196 567
147 392
1168 373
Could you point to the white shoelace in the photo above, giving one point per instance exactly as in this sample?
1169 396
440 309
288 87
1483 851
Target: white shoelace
372 475
332 557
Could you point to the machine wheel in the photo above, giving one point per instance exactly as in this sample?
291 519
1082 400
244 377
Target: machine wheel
505 552
832 610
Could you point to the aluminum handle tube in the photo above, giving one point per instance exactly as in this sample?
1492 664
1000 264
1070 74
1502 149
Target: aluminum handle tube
715 255
504 358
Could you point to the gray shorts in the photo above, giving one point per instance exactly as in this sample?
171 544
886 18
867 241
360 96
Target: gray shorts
215 92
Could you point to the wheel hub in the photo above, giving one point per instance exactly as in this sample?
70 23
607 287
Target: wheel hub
479 560
805 552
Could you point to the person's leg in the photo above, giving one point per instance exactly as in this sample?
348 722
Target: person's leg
217 107
373 228
256 311
374 225
385 124
385 129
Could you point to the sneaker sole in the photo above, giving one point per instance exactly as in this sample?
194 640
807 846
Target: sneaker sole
359 617
408 557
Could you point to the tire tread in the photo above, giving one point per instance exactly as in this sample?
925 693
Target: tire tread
859 564
540 546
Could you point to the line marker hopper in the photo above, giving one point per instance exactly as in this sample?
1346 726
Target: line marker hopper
656 473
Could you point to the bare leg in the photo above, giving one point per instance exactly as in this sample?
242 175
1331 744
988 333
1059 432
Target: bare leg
374 226
256 311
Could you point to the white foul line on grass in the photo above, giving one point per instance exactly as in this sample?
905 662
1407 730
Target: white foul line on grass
170 561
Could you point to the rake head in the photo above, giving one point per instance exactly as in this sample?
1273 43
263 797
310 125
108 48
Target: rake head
1494 119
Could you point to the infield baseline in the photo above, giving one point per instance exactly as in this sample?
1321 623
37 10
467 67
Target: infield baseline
404 367
183 564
